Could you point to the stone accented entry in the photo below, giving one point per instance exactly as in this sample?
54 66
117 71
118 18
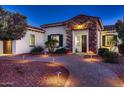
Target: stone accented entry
74 28
81 23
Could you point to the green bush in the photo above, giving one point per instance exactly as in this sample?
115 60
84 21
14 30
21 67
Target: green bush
61 51
110 57
37 50
101 51
121 49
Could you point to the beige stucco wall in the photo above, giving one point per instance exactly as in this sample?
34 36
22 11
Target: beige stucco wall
1 47
23 45
56 30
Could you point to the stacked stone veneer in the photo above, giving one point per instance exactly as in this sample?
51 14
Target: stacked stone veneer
91 24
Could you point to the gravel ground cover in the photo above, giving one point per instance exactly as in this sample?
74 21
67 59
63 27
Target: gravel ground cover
82 71
24 73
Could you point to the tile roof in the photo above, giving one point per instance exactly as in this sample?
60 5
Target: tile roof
54 24
64 22
109 27
36 29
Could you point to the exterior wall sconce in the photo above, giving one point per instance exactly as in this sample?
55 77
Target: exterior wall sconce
78 27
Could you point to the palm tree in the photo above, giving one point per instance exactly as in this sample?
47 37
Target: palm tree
113 44
12 25
51 45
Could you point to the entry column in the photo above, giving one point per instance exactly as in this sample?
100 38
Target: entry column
73 42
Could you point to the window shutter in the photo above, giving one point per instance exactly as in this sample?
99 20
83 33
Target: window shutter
103 40
49 37
61 40
115 37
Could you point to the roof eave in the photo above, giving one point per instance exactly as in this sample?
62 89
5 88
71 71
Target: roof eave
36 29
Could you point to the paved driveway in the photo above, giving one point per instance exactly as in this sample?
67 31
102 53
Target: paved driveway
83 73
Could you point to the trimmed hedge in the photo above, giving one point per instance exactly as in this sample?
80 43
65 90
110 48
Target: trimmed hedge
108 56
101 51
61 51
37 50
121 49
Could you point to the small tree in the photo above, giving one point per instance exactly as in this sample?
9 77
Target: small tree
51 45
120 30
113 44
12 25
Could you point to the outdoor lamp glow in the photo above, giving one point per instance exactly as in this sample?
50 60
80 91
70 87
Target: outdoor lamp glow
78 26
91 52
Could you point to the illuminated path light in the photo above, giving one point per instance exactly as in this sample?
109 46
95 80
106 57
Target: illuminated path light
55 79
58 77
91 53
23 57
90 59
53 59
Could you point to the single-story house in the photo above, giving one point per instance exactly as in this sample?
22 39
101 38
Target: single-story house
81 33
34 37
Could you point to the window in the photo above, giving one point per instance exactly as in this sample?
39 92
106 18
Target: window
32 40
56 37
78 41
109 40
103 40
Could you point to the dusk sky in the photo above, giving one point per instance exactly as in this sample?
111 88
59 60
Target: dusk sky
38 15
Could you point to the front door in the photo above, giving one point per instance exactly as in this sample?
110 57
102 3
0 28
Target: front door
7 47
84 43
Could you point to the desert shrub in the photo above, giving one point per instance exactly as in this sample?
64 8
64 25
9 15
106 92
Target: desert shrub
37 50
61 51
101 51
110 57
68 50
121 49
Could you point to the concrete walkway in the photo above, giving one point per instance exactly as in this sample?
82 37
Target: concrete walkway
87 74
